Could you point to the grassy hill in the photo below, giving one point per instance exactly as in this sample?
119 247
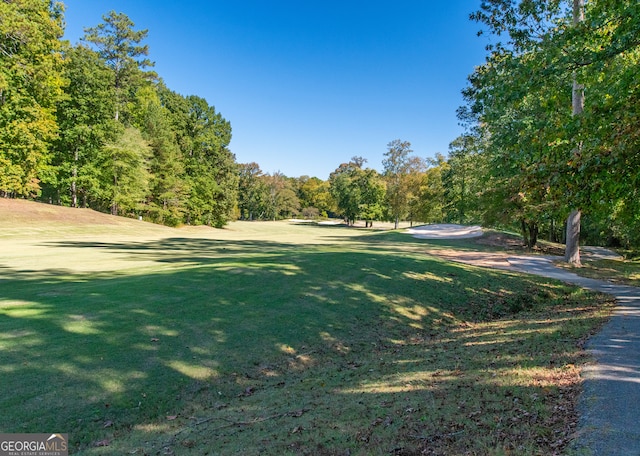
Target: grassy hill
275 338
28 218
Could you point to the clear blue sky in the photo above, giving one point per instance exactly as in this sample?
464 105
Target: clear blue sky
308 84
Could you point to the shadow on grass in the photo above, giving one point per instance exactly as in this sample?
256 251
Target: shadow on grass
258 347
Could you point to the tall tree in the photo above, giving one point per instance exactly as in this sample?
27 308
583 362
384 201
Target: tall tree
120 47
572 250
429 206
85 118
281 200
359 192
126 173
252 191
399 168
211 169
462 179
345 193
166 202
30 86
313 192
521 93
372 191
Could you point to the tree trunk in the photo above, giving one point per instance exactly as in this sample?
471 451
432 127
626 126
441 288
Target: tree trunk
74 175
533 235
529 233
114 203
572 249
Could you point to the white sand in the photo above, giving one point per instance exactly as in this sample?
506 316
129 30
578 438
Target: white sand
445 231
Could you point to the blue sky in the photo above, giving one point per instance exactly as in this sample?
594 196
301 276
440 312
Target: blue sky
308 84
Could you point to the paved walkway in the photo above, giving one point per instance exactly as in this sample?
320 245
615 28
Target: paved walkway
609 406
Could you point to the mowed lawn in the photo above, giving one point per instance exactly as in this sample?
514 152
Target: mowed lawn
276 338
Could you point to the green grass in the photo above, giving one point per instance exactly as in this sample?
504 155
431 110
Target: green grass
617 271
279 339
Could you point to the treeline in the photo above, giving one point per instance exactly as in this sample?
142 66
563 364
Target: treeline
91 125
443 189
552 139
553 120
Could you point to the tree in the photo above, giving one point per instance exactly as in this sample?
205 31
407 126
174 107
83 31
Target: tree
314 193
342 192
462 180
30 86
166 202
345 194
372 191
572 250
399 170
85 119
359 193
211 169
126 170
521 99
92 127
119 45
281 200
429 204
252 191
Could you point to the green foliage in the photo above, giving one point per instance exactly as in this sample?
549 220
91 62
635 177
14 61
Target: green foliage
314 193
544 161
94 129
279 199
30 86
359 192
400 174
372 195
118 44
463 180
166 201
85 118
429 205
252 192
125 164
210 168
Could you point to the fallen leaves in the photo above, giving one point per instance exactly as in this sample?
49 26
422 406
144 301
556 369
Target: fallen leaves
247 392
386 421
297 413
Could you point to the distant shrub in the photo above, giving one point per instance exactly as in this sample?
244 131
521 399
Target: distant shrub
310 213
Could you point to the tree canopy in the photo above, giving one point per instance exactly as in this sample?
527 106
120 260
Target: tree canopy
31 84
88 125
552 132
549 155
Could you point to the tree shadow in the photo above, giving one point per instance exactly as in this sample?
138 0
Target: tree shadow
111 355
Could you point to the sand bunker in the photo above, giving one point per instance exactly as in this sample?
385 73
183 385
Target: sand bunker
445 231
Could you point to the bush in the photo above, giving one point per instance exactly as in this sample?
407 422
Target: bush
310 213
